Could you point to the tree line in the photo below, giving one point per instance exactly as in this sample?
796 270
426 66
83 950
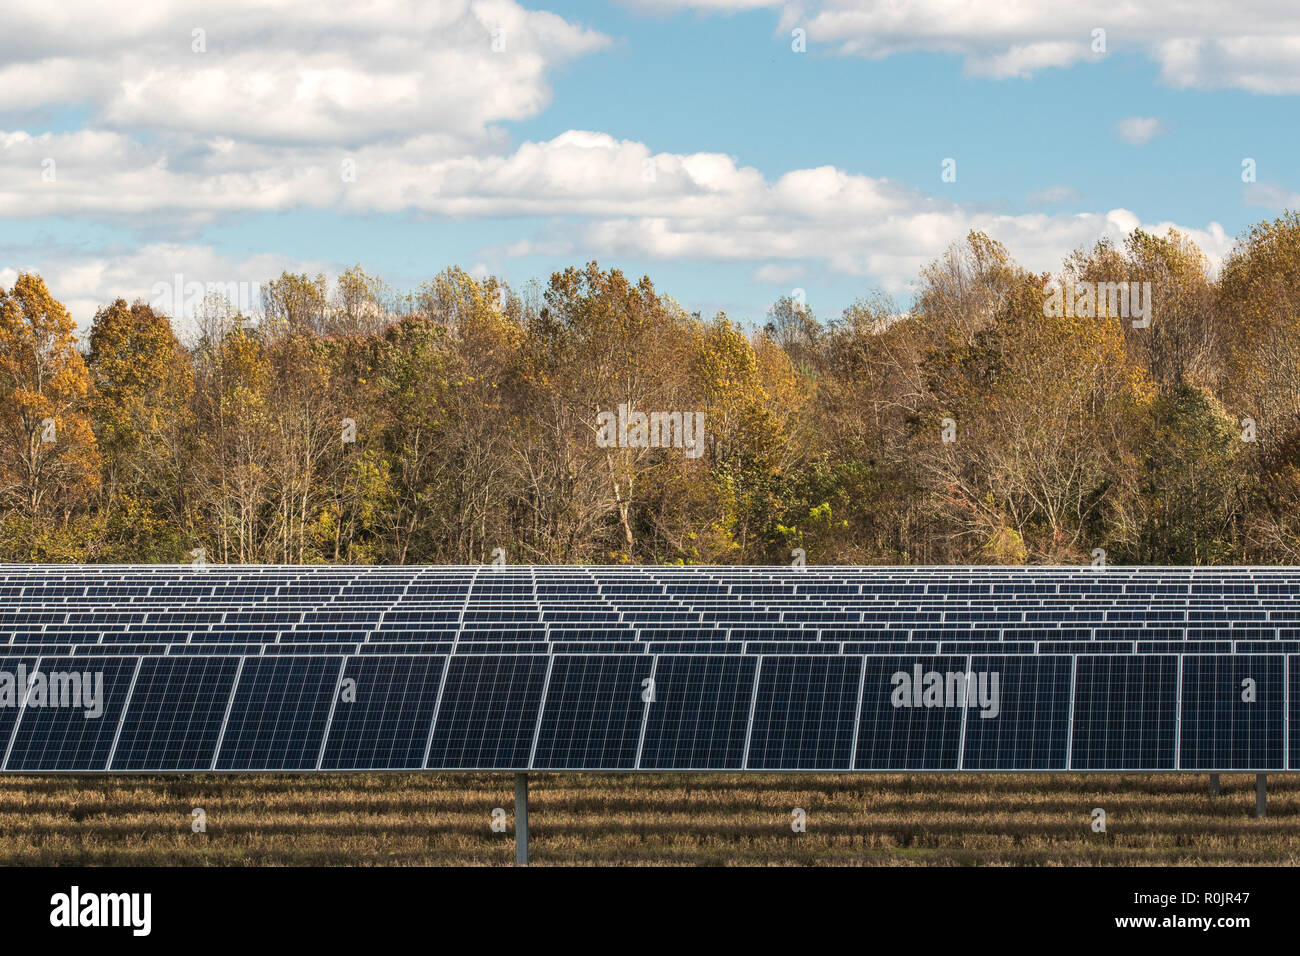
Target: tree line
461 421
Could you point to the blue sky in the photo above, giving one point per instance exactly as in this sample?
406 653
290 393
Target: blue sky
772 169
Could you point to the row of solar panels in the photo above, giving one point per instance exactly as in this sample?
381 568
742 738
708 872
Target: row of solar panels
746 648
407 619
665 570
1243 640
396 612
399 612
625 712
46 590
614 572
846 607
586 581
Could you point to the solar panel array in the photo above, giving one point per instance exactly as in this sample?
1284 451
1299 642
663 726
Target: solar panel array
273 668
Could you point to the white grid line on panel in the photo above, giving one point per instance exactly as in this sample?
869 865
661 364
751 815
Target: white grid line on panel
437 710
753 704
22 709
965 711
645 714
225 719
334 700
121 718
460 621
857 714
1069 732
541 709
1178 717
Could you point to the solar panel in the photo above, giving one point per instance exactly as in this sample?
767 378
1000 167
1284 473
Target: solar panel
1125 713
488 713
593 712
699 714
69 716
805 713
1232 714
280 668
897 730
175 713
1018 713
383 713
279 713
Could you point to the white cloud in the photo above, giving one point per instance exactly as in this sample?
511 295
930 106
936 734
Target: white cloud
591 190
85 280
1271 196
706 6
288 71
1138 130
1243 44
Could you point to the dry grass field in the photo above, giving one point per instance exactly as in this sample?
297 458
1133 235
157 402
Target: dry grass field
714 819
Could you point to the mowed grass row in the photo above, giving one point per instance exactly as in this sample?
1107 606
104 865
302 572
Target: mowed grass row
712 819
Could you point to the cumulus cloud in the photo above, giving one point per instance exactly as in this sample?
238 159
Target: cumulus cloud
588 190
1243 44
392 108
314 73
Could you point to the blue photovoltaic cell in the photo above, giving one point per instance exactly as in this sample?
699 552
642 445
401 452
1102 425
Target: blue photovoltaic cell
382 722
175 713
13 678
805 713
280 710
1125 711
1220 729
699 714
488 713
55 730
897 731
1018 714
1293 712
593 713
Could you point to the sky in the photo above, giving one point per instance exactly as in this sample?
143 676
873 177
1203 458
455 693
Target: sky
734 150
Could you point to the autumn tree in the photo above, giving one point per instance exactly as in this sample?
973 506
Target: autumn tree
49 462
1029 433
144 426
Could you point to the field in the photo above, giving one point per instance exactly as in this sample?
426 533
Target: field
714 819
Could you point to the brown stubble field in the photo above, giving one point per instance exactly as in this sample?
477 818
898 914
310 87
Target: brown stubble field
708 819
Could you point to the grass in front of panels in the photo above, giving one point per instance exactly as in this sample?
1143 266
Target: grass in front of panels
427 819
